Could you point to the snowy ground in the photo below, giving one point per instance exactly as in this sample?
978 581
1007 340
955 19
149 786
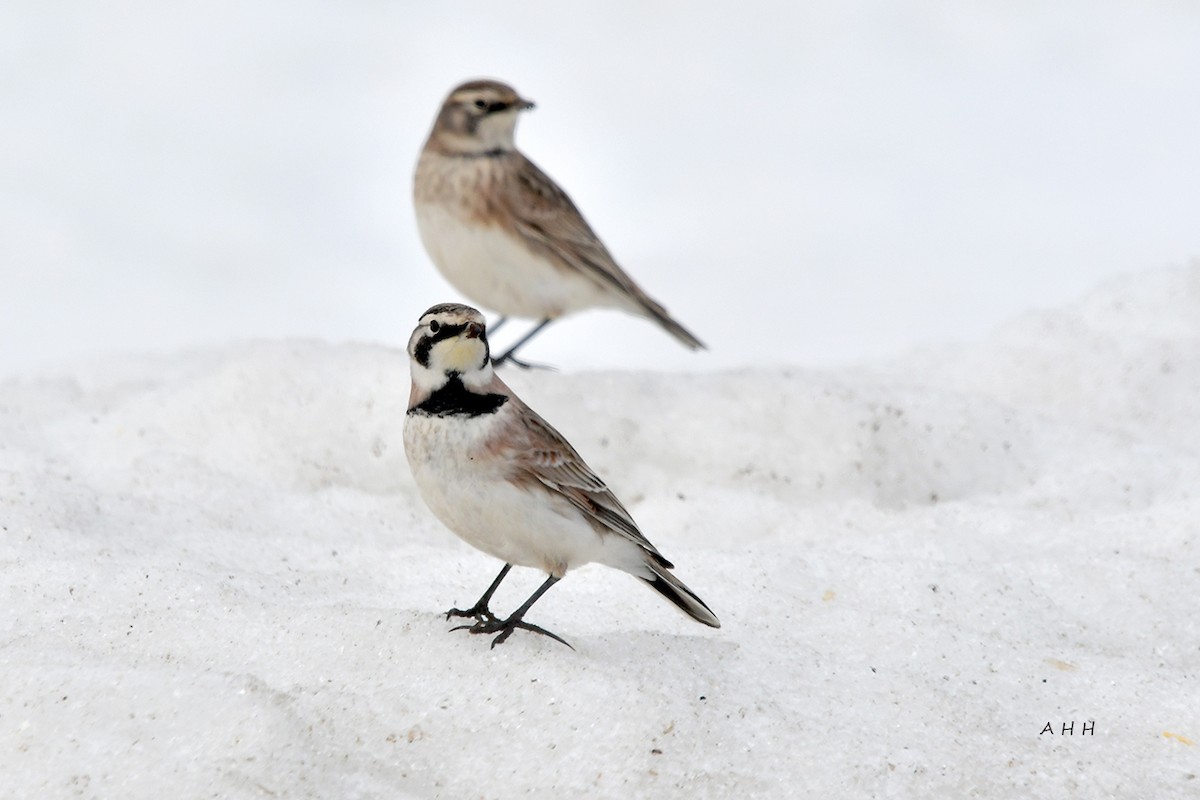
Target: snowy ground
220 582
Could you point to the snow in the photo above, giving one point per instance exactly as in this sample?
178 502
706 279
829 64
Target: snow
208 170
220 580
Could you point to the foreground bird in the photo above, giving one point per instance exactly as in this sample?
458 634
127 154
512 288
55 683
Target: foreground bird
507 483
502 232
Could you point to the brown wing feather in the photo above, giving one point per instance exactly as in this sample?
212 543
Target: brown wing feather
537 452
544 214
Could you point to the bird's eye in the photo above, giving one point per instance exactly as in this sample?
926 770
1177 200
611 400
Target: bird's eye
481 104
434 326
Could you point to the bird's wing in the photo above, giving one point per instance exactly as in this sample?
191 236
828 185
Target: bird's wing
545 218
540 453
551 224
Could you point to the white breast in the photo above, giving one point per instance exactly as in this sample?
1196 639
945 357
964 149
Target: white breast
467 489
493 268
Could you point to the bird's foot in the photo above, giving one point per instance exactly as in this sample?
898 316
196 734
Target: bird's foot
505 627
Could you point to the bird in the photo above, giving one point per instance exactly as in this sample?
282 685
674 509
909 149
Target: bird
503 233
507 483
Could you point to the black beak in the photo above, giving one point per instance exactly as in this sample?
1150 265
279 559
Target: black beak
500 105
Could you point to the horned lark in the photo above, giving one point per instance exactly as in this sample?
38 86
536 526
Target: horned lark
502 232
497 475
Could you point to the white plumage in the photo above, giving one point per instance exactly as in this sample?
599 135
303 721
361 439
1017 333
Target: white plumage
494 269
470 493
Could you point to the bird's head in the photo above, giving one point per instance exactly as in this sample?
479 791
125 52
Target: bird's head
479 117
450 341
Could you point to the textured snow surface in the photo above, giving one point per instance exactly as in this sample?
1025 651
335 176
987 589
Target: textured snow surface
219 580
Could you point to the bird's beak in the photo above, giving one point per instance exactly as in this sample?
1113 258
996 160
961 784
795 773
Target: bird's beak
525 105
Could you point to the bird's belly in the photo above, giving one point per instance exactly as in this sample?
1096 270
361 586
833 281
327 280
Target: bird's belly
472 497
494 269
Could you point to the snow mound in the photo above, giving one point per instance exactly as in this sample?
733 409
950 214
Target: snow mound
220 579
1126 358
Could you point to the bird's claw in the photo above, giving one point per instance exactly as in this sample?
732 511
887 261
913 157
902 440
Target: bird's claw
505 627
479 614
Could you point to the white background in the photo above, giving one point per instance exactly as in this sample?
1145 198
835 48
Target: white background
854 177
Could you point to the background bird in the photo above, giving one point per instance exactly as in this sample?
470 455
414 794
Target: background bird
502 232
506 482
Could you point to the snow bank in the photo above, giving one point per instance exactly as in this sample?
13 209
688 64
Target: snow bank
220 580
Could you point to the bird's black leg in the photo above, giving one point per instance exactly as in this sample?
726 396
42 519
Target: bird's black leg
505 627
497 325
480 610
509 356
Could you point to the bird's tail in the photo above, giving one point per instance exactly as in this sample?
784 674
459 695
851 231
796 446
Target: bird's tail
660 315
665 583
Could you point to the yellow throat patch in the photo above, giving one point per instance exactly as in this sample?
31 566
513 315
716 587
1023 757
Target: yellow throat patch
462 354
